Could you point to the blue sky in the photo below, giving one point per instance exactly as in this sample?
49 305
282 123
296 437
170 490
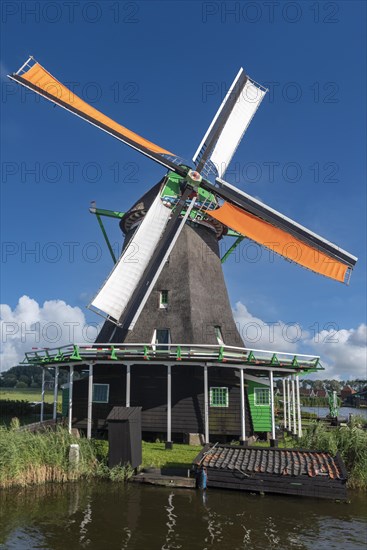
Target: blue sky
161 69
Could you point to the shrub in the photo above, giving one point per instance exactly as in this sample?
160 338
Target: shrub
349 441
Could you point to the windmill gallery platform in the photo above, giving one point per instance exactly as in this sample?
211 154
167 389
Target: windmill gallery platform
188 385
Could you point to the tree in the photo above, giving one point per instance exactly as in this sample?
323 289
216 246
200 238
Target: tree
335 385
25 379
9 381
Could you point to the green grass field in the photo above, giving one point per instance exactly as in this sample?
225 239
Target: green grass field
27 394
156 456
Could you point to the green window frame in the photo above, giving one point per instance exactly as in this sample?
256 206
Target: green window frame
262 397
163 299
101 393
219 397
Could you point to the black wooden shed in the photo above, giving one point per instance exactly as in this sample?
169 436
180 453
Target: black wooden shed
124 436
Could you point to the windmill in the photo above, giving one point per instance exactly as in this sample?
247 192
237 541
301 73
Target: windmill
192 206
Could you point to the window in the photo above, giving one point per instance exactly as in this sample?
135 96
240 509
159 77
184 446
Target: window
219 397
101 393
262 397
163 299
162 337
219 336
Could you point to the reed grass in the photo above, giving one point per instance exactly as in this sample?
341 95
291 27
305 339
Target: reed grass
28 458
350 441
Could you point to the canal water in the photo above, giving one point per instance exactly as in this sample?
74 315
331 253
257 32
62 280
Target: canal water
109 516
344 412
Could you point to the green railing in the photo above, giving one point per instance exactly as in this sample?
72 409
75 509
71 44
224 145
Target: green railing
171 352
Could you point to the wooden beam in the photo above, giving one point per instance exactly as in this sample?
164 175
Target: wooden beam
294 431
128 384
70 411
299 418
90 401
284 403
42 396
169 404
243 413
289 404
206 405
271 380
56 386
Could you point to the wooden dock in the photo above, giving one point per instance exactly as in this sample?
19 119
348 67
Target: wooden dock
166 478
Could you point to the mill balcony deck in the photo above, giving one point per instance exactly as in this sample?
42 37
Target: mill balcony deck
220 355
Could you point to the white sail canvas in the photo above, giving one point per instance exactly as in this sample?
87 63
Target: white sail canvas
117 290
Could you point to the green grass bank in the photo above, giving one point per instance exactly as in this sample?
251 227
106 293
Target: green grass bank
28 458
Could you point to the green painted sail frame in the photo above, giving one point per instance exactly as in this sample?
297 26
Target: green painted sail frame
170 193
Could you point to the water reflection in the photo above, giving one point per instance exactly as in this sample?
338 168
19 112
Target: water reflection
170 542
87 518
110 516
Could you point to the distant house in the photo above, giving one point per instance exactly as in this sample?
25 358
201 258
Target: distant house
305 392
346 394
359 399
319 393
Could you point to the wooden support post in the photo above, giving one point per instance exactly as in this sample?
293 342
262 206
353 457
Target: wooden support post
70 415
284 404
206 405
169 408
289 404
298 408
128 384
294 430
271 380
42 395
56 387
243 409
90 402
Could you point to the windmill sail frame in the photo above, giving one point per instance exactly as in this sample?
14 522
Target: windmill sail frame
219 144
229 125
115 293
162 156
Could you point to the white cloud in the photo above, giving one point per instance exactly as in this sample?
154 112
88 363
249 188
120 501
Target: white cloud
259 334
343 352
30 325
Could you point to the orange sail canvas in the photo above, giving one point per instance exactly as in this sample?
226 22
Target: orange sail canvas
282 242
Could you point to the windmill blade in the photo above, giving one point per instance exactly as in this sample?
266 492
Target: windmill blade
281 234
161 256
229 125
35 77
115 293
125 292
